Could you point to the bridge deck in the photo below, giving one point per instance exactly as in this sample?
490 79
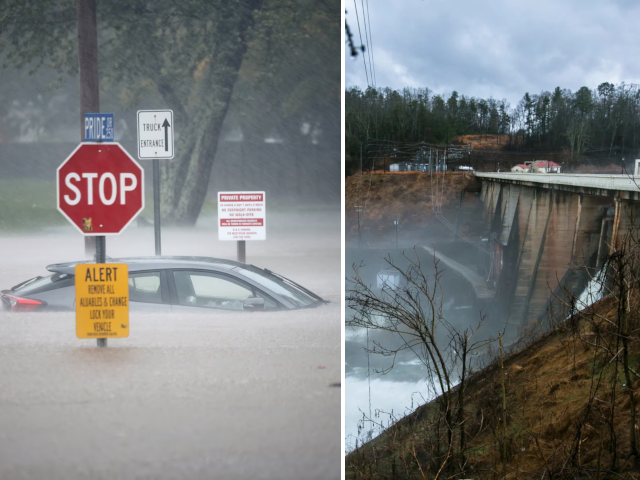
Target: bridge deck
607 185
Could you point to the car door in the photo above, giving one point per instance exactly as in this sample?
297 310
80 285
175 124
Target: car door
198 290
148 291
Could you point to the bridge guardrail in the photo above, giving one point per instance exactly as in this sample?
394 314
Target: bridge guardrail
586 180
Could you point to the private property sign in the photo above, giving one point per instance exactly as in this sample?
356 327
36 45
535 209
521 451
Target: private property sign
241 216
102 300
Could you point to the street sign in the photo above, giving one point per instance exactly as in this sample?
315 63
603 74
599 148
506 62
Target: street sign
98 127
241 216
155 134
100 188
102 300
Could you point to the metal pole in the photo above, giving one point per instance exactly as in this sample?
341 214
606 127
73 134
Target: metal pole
242 251
396 221
88 69
156 205
101 257
358 210
431 167
455 235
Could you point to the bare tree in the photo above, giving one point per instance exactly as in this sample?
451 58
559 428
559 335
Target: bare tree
412 314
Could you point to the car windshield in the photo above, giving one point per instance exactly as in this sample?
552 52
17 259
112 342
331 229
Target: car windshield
40 284
295 295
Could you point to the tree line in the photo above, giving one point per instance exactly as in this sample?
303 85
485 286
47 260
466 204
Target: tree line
271 60
604 120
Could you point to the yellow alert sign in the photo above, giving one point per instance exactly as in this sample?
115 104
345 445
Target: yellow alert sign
102 300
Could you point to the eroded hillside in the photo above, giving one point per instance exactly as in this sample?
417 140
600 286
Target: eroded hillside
567 414
413 197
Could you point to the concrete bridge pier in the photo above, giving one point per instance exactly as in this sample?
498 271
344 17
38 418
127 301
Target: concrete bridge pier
549 236
550 242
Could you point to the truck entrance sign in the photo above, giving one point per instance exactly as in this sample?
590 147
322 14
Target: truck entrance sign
100 188
155 134
102 300
241 216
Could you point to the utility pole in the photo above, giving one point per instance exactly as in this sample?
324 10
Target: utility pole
431 167
396 221
358 210
444 162
622 169
88 66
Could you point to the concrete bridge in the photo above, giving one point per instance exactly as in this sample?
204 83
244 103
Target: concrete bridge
551 232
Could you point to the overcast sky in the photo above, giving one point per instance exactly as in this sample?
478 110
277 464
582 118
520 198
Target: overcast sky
501 48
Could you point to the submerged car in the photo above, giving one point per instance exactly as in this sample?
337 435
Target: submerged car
171 284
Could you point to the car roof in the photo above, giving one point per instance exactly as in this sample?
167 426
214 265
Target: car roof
145 263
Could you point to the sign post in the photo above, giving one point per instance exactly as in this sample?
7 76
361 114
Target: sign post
242 251
155 142
241 217
99 127
100 190
101 257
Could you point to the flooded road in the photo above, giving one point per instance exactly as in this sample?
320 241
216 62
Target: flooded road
207 395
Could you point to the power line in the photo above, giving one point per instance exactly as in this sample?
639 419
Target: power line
366 39
362 44
372 62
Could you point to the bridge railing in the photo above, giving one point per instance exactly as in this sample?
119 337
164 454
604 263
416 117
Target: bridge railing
586 180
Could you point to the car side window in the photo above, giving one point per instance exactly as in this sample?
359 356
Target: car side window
200 289
145 287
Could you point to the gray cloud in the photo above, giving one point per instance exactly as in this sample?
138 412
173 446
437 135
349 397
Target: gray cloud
501 48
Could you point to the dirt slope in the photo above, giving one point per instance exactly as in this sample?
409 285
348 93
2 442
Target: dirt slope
410 195
559 411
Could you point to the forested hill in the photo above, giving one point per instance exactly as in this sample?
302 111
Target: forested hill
605 120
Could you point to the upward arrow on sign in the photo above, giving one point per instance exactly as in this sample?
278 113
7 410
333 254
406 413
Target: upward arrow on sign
166 135
155 127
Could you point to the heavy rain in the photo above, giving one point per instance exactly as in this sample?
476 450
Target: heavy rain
196 390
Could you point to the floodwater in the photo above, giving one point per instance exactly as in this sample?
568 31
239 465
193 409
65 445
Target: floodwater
210 395
385 397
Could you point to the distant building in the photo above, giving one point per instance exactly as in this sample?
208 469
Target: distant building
544 166
465 168
401 167
521 168
388 279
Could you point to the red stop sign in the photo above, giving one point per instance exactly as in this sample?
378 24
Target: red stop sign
100 188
